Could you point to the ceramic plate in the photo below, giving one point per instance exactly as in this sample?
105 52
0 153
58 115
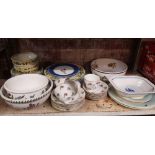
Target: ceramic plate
109 65
71 71
148 105
144 100
63 69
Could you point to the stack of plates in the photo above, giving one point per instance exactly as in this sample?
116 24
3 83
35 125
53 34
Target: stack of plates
71 71
24 63
26 91
132 91
106 68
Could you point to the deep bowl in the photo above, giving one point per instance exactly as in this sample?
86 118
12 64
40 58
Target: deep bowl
27 103
132 86
26 86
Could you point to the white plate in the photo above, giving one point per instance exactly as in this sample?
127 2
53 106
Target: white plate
106 65
143 100
148 105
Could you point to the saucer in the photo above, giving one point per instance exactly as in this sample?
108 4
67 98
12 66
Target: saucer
143 100
148 105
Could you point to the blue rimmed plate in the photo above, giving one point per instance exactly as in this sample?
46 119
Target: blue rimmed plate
63 70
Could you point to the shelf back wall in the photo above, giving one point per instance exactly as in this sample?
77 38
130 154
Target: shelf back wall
79 51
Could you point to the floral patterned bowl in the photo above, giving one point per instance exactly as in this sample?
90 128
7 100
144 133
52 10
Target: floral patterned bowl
67 92
27 103
26 86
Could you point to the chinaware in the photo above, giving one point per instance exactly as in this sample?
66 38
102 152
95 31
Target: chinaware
107 68
106 76
67 91
147 105
106 65
91 81
15 72
71 71
27 104
97 94
143 100
132 86
27 69
24 58
72 106
26 86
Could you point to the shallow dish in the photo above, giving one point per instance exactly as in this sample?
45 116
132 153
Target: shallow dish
106 65
26 86
24 58
27 103
132 86
148 105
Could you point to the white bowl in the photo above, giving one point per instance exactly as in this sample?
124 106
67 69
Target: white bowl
26 86
106 65
132 86
107 76
27 103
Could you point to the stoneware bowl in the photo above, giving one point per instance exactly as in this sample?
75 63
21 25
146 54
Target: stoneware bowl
91 81
27 104
26 86
132 86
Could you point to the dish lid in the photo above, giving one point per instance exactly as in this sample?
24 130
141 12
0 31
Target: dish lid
24 57
107 65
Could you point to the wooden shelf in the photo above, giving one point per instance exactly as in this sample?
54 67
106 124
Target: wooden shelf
102 107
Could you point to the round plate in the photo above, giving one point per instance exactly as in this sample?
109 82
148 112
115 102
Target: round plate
63 69
148 105
106 65
77 76
143 100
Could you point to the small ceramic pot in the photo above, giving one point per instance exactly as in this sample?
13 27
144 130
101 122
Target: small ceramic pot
91 81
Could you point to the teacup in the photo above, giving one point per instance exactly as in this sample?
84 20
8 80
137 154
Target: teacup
91 81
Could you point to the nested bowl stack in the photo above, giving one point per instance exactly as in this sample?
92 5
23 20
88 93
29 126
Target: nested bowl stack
24 63
26 91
